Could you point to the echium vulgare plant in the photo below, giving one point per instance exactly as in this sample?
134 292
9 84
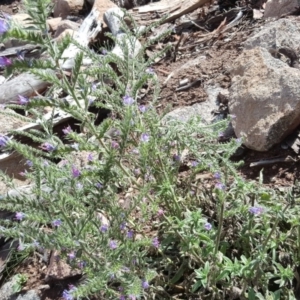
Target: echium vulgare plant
138 217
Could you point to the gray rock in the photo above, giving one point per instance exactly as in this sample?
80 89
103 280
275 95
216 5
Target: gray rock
203 109
7 292
112 18
265 98
30 295
277 8
283 32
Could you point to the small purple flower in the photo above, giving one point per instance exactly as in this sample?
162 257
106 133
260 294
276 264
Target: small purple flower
94 87
20 247
23 173
104 51
71 255
160 212
45 163
4 61
232 117
145 137
29 163
91 100
221 134
113 244
217 175
220 186
194 163
155 242
56 223
176 157
123 226
66 295
256 210
47 147
3 140
115 145
143 108
81 264
122 297
132 297
19 216
135 151
4 26
238 141
99 185
207 226
127 100
22 100
145 284
137 172
104 228
130 234
67 130
79 186
75 172
90 157
150 71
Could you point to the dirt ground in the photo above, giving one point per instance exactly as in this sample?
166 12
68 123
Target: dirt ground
208 62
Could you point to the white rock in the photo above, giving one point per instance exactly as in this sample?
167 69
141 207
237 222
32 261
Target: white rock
265 98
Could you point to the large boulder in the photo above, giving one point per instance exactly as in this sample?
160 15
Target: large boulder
265 98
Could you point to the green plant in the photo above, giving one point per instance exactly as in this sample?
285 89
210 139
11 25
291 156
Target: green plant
128 218
21 280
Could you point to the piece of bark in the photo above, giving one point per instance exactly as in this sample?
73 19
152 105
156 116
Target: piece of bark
174 9
24 84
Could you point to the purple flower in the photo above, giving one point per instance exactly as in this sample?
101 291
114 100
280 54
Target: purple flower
122 297
99 185
81 264
143 108
220 186
115 145
232 117
135 151
66 295
194 163
48 147
145 284
127 100
207 226
75 172
113 244
4 61
104 228
176 157
3 140
132 297
160 212
20 216
130 234
91 100
20 247
22 100
56 223
45 163
150 71
217 175
67 130
3 26
90 157
137 172
29 163
94 87
145 137
238 141
123 225
71 255
256 210
79 186
221 134
104 51
155 242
